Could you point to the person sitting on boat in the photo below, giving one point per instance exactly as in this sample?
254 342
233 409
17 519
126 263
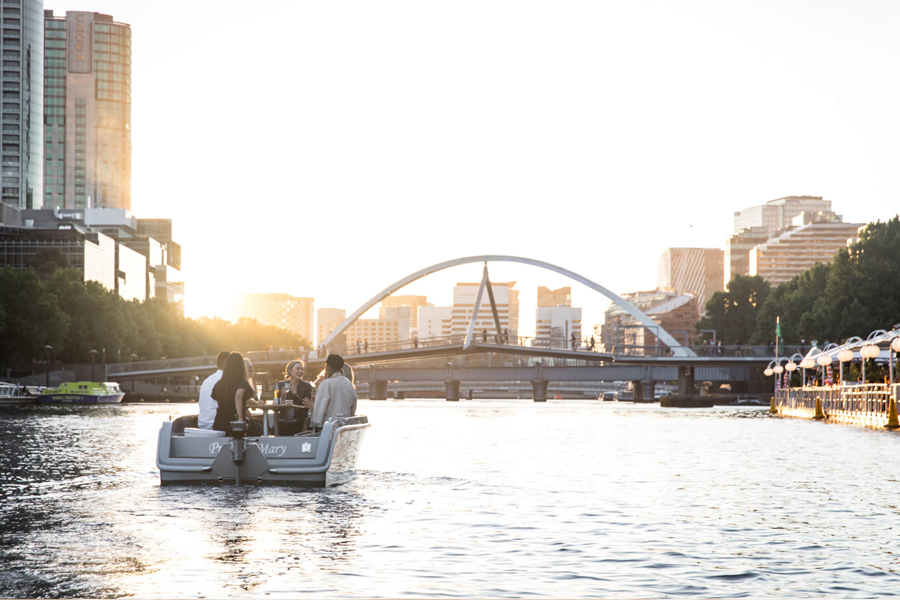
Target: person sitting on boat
208 406
295 391
234 395
335 395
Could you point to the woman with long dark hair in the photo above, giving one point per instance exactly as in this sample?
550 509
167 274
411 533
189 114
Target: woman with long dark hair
234 394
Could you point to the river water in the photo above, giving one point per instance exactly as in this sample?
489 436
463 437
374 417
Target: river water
471 499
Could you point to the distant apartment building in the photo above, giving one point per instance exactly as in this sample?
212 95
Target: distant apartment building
674 312
778 214
782 258
91 252
22 72
118 251
279 310
166 267
557 297
150 238
327 320
412 302
696 271
737 251
555 318
506 298
392 326
555 326
434 322
87 111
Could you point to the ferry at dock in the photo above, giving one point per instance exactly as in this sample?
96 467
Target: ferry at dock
82 392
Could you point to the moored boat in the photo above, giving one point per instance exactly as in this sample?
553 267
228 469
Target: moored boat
190 456
82 392
11 393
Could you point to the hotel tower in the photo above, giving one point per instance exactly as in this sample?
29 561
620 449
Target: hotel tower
87 111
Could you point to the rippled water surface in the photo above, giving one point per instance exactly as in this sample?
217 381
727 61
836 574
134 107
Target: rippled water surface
486 499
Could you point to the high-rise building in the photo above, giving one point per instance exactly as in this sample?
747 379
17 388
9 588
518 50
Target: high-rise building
737 251
697 271
87 111
555 326
434 322
777 214
793 252
279 310
22 72
413 302
392 326
506 298
327 320
558 297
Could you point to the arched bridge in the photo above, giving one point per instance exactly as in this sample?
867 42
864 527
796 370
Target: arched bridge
640 317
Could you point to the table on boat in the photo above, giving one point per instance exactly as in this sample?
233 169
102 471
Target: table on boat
275 408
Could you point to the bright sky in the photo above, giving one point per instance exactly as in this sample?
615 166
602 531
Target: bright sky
328 149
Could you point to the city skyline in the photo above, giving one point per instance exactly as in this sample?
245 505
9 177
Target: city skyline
669 112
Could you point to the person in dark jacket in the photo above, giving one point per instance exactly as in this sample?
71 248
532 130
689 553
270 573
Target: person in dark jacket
235 394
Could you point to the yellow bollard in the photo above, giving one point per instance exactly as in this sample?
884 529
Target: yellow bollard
772 408
820 414
892 422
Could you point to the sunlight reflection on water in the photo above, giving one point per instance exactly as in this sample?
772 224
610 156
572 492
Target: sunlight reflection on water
484 498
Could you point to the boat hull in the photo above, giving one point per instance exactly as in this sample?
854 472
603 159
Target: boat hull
80 398
301 461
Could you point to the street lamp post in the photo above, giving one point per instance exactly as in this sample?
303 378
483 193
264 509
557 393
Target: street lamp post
895 348
868 351
844 356
791 366
823 361
93 354
48 350
807 363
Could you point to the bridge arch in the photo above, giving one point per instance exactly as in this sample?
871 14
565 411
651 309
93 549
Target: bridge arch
630 308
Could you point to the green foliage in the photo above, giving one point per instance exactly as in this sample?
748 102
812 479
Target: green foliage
733 314
853 295
74 317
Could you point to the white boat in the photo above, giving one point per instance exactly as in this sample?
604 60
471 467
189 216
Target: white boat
189 456
12 393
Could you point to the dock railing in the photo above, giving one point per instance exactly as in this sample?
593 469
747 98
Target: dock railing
868 404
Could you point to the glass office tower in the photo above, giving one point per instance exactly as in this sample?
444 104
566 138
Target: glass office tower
87 111
22 74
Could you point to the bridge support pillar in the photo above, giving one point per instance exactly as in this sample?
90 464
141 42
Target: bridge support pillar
650 389
452 391
378 390
539 390
685 381
638 387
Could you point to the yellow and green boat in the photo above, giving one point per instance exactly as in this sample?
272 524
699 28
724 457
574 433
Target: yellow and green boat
82 392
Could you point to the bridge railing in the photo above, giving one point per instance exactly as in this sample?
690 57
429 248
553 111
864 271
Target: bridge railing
160 364
255 357
581 345
707 350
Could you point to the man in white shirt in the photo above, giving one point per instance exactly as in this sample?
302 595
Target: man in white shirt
208 406
335 395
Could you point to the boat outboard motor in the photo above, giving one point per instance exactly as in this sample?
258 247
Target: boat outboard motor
237 441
